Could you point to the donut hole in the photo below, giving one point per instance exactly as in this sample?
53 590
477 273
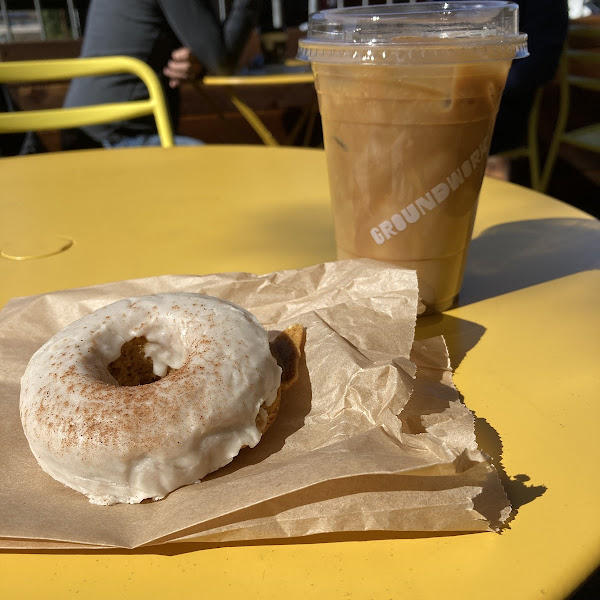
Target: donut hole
133 367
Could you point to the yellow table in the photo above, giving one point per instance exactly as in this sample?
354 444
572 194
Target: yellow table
528 322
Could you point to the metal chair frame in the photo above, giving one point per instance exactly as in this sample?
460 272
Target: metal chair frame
65 118
588 137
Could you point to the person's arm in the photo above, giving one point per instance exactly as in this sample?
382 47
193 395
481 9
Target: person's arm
198 28
241 20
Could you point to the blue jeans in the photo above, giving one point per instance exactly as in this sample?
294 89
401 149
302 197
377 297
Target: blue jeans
151 140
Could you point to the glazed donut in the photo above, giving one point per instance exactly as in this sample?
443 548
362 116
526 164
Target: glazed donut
148 394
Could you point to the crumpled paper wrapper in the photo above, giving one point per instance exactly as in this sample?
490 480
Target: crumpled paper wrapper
373 436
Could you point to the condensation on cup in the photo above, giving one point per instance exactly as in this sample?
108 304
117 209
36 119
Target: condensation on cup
408 96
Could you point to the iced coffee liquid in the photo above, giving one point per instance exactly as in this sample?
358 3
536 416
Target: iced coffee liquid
406 149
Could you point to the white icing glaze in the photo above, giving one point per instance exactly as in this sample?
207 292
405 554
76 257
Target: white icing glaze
127 443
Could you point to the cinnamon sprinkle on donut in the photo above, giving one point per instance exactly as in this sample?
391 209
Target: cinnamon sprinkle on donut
148 394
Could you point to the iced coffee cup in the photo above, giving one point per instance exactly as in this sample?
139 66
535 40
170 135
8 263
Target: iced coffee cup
408 96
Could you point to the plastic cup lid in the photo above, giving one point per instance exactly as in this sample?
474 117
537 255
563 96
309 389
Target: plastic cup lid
415 33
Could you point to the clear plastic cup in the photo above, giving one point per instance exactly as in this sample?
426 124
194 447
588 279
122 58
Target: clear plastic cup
408 96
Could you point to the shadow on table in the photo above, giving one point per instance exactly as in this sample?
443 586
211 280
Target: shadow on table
517 489
513 256
461 336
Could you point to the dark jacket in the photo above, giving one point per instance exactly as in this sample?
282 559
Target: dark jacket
150 30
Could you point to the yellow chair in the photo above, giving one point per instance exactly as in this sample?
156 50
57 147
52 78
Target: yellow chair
231 84
579 68
65 118
531 150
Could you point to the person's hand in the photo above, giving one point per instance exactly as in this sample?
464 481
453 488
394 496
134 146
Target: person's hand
182 66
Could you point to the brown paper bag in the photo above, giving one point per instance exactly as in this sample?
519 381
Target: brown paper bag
372 437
